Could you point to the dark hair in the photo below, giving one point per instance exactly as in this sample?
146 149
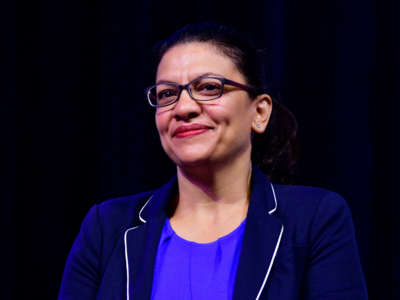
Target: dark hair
276 150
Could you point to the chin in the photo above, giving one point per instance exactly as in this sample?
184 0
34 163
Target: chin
192 164
191 160
191 154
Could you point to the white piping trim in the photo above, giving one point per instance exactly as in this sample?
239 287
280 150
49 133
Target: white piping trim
270 265
140 217
126 261
276 203
126 248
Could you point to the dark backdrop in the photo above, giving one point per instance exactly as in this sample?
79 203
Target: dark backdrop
86 134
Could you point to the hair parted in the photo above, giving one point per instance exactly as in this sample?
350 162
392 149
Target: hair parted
276 150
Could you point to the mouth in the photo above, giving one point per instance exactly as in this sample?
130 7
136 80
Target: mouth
190 130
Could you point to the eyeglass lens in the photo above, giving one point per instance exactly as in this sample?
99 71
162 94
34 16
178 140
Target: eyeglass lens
202 89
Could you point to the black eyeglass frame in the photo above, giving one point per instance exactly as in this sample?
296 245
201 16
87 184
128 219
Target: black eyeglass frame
252 91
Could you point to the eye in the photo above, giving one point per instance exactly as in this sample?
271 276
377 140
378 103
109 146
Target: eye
208 88
166 94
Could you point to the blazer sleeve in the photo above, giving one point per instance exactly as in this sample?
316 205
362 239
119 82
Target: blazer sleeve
81 276
334 268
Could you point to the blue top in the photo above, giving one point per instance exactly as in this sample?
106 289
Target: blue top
190 270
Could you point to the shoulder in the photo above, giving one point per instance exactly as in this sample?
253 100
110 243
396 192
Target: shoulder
99 238
104 225
304 209
106 221
292 198
123 211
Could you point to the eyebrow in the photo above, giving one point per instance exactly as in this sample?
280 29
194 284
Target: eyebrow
201 75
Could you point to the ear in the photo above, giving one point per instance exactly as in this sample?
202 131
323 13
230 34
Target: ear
263 109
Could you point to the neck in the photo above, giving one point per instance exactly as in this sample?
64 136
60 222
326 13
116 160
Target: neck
215 191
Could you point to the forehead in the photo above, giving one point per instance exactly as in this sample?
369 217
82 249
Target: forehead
186 61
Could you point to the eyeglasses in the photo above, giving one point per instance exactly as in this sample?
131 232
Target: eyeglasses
203 88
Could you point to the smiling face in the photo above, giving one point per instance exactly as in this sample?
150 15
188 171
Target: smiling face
198 133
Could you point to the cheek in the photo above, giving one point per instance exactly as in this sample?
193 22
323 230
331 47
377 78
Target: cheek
218 112
234 127
234 115
161 122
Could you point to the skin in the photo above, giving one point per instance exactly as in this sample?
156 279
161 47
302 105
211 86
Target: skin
213 165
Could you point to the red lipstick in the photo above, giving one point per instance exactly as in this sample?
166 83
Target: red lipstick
190 130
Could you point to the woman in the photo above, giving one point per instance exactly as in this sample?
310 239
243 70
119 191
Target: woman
220 229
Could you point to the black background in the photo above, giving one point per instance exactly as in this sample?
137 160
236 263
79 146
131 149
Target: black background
82 132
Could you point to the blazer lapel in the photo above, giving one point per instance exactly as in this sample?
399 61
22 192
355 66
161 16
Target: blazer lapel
141 243
261 240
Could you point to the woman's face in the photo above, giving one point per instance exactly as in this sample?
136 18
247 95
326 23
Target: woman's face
197 133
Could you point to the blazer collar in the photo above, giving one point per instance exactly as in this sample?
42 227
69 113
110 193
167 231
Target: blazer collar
262 235
157 205
261 240
141 242
263 198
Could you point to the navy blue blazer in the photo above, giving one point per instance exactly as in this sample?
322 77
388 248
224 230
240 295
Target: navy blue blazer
298 244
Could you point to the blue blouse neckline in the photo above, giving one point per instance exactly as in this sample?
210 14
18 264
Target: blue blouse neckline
170 232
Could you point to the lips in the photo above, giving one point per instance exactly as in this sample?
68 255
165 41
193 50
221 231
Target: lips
190 130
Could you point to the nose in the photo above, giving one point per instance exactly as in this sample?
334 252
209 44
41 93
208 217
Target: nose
186 107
